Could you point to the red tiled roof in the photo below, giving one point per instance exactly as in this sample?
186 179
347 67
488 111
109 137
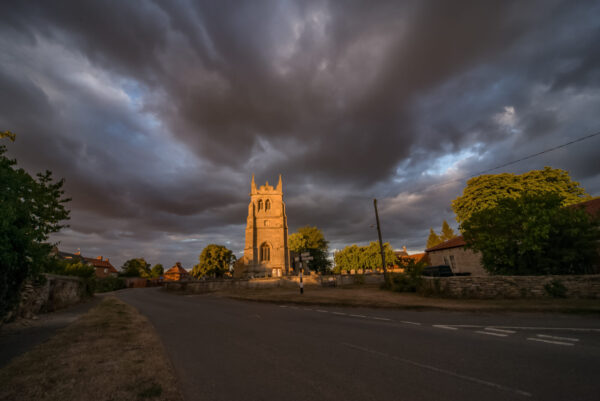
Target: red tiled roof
99 263
591 207
177 269
451 243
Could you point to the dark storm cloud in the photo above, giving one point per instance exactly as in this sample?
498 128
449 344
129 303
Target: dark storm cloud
157 112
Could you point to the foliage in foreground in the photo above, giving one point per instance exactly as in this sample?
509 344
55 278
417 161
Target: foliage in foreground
534 234
311 239
363 257
485 191
30 210
215 261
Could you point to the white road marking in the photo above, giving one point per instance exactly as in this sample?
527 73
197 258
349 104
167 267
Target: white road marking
357 315
439 370
548 341
557 338
283 306
380 318
441 326
407 322
491 333
339 313
500 330
576 329
322 311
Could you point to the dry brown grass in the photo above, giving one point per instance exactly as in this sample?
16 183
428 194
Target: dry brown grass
111 353
372 296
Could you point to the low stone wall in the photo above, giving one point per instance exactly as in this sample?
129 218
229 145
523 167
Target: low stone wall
582 286
203 286
56 293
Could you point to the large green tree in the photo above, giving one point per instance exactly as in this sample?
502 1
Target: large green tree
534 234
485 191
363 257
30 210
215 261
311 239
137 267
157 270
433 239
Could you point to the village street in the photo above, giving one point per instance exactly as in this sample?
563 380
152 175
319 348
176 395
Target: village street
232 350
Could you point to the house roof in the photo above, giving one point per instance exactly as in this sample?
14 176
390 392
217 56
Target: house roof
177 269
101 263
591 207
451 243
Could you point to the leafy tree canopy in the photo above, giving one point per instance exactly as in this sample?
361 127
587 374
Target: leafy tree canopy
215 261
136 268
157 270
446 234
534 234
311 239
363 257
485 191
30 210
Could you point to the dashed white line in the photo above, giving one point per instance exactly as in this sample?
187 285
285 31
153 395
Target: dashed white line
439 370
491 333
381 318
340 313
441 326
322 311
549 341
557 338
407 322
500 330
357 315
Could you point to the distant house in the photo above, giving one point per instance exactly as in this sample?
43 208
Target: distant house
416 257
103 267
177 273
454 254
591 207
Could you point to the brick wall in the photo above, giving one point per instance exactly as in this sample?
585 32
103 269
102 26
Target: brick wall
581 286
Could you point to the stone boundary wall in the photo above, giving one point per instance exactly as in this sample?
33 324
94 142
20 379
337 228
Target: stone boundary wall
203 286
490 287
56 293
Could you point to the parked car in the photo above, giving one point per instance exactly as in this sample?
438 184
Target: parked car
437 271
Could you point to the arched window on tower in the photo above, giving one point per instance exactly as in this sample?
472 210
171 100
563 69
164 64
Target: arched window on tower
260 205
267 205
265 252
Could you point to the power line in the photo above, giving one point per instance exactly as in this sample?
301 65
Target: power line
509 163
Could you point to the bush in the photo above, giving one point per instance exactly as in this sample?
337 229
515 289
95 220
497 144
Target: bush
107 284
556 289
410 280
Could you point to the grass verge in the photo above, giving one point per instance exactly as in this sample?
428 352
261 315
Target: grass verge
110 353
372 296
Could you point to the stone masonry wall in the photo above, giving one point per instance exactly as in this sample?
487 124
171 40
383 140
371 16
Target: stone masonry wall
581 286
56 293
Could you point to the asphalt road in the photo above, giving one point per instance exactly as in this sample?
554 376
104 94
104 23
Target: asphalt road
233 350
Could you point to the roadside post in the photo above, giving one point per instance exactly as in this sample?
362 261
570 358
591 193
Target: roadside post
385 275
302 260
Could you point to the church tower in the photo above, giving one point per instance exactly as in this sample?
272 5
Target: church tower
266 250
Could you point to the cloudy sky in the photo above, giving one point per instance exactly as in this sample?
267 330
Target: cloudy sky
156 113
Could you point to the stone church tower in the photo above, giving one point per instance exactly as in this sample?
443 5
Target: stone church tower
266 251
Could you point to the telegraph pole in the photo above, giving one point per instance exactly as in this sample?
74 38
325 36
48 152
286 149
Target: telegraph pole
385 275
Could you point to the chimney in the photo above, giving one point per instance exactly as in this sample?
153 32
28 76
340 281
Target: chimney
404 249
78 253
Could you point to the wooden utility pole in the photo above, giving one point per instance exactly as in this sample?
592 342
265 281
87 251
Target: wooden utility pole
385 275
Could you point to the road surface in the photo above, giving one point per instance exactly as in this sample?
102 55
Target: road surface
234 350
